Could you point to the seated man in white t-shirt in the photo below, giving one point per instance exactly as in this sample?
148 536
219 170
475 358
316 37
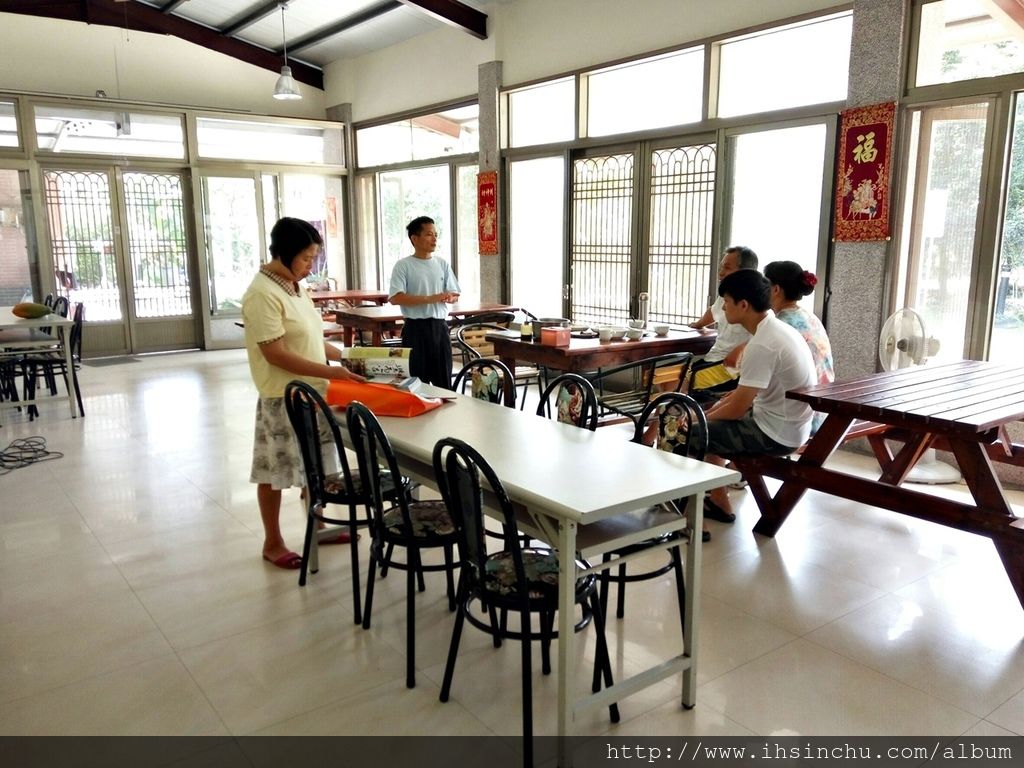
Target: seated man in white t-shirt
757 417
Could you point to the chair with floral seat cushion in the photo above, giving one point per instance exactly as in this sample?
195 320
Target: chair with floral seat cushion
489 380
472 342
575 401
315 427
519 580
683 430
399 523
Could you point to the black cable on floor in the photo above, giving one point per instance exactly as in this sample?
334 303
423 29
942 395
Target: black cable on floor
25 451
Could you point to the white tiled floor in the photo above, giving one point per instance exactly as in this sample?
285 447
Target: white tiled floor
133 600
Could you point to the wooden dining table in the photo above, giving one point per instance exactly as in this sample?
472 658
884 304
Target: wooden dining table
589 354
388 319
350 298
962 407
617 506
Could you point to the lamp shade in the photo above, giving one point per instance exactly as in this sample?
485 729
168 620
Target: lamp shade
286 88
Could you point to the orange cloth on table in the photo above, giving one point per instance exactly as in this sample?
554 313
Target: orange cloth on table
382 399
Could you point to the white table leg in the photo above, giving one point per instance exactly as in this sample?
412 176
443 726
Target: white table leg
566 635
695 519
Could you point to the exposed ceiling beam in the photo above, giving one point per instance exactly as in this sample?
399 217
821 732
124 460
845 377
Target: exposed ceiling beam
247 19
349 22
168 7
454 13
146 18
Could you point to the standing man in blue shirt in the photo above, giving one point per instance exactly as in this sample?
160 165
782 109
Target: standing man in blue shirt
423 285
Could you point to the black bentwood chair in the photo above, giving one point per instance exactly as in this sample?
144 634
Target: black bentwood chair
399 522
570 399
518 579
315 426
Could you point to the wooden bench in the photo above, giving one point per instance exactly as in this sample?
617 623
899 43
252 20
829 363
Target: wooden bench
755 468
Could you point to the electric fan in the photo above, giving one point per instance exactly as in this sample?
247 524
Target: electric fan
903 343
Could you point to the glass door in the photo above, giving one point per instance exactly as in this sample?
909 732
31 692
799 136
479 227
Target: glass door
603 241
760 196
638 229
941 214
402 196
680 233
235 248
159 286
120 247
537 234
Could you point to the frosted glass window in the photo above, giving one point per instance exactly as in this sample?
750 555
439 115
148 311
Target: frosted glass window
8 125
109 132
543 114
653 93
449 132
965 40
781 68
270 142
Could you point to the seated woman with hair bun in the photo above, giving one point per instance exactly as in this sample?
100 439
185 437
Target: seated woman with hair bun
790 282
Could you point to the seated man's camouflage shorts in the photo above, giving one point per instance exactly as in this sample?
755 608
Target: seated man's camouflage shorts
742 437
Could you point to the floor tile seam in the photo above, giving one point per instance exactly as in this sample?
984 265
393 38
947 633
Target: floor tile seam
85 678
1002 704
751 660
269 622
905 683
354 696
168 654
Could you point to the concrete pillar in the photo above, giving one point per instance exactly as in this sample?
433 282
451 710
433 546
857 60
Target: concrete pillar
858 271
492 273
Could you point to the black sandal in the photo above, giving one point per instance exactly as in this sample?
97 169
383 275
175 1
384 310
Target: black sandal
714 512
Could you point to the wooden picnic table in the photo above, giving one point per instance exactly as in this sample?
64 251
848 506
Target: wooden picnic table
961 407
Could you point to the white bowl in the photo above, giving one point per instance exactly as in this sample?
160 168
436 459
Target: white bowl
637 323
635 333
661 329
618 333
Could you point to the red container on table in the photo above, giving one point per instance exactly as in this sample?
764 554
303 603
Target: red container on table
554 337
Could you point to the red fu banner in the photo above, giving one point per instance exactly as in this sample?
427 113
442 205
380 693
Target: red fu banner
487 212
862 181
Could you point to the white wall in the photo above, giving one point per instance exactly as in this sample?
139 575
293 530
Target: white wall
428 69
67 57
536 39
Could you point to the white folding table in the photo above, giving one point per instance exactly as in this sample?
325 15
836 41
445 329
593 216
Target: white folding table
582 490
19 335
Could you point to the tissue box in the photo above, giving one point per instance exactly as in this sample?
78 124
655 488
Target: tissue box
554 337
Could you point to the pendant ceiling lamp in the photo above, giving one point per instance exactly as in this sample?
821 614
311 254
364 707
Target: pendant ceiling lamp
285 87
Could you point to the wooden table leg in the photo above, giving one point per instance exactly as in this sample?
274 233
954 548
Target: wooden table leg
980 477
898 469
775 510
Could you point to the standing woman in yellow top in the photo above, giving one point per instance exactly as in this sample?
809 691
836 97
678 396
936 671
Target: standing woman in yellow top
284 339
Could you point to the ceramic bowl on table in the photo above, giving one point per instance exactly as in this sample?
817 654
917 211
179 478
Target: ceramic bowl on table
617 333
661 329
637 324
604 334
635 333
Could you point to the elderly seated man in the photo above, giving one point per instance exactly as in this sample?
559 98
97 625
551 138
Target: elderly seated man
756 417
